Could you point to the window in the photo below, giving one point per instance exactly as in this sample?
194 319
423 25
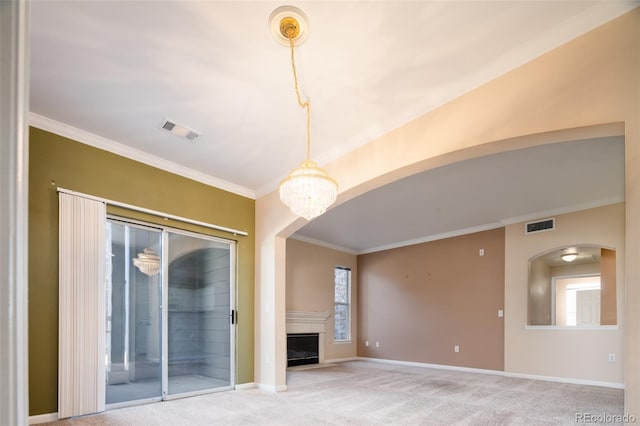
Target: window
342 307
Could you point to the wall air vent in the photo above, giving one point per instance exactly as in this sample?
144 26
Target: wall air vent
179 130
540 226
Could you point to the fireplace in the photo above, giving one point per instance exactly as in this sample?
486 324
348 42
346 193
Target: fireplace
311 327
303 349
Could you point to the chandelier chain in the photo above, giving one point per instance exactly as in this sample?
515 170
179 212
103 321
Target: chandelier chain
304 105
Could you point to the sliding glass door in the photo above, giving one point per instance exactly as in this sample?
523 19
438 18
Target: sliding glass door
199 326
169 304
134 319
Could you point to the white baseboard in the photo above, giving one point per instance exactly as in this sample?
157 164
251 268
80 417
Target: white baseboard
499 373
272 388
436 366
337 360
244 386
43 418
613 385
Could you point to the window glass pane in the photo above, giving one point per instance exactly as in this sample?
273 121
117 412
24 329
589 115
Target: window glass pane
134 318
342 302
342 285
342 322
198 319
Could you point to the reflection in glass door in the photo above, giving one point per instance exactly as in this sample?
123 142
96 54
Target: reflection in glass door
155 353
134 320
199 304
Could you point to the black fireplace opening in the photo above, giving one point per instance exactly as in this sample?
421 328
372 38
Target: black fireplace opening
302 349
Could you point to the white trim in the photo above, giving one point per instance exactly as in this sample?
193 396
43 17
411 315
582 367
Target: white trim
306 321
321 243
272 388
436 237
497 373
43 418
109 145
339 360
245 386
465 231
572 327
153 212
14 210
559 211
613 385
435 366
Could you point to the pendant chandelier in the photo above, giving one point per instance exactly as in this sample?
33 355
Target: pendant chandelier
148 262
308 190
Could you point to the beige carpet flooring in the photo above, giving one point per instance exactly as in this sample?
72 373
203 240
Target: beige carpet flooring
368 393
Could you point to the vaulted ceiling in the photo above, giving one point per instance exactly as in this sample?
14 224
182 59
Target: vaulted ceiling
117 69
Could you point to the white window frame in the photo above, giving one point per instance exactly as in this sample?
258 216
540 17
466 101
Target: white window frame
348 304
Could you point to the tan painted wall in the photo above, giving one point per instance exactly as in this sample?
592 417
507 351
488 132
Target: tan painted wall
575 354
419 301
310 286
539 302
586 88
608 308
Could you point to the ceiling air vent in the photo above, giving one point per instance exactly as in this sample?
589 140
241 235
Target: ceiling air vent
540 226
179 130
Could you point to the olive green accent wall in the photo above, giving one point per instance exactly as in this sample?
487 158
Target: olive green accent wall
55 161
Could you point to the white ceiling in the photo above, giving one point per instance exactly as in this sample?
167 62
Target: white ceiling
115 69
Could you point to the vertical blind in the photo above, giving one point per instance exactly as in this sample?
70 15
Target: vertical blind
81 369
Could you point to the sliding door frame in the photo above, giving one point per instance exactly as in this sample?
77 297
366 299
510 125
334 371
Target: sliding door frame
165 230
158 229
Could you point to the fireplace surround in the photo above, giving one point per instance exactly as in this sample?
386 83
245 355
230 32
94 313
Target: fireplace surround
312 325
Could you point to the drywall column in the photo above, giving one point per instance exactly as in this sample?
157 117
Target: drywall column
14 100
632 247
270 305
632 209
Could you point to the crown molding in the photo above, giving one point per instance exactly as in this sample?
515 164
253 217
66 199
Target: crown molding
563 210
464 231
435 237
321 243
87 138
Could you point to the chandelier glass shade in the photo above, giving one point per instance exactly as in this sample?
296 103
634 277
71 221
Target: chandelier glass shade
148 262
308 190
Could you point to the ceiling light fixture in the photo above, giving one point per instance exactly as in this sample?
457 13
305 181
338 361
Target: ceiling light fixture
148 262
569 257
308 190
179 130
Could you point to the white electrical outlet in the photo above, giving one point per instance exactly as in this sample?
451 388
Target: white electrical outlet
612 357
377 344
500 313
481 252
366 343
456 348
